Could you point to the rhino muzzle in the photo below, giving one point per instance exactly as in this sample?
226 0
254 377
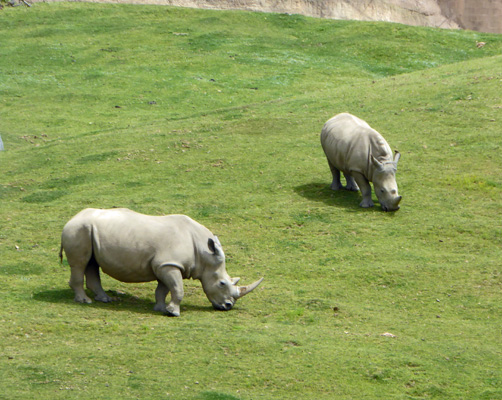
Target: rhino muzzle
394 207
227 305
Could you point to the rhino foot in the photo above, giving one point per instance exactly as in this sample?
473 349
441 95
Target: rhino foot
103 298
172 314
172 311
83 299
336 186
159 307
367 203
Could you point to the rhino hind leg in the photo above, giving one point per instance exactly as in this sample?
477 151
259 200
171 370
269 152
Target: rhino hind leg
93 281
77 284
336 184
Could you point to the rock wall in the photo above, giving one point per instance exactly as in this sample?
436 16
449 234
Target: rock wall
483 15
477 15
410 12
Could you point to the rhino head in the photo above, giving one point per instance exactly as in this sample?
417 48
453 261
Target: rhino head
384 182
222 290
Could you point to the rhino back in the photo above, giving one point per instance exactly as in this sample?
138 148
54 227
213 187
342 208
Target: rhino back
348 143
129 246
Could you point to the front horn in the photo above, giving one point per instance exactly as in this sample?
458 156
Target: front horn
244 290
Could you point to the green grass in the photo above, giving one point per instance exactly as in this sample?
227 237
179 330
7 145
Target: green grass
217 115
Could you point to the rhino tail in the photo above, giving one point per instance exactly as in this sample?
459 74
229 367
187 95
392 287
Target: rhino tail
61 253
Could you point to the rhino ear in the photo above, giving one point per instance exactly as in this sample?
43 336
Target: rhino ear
214 246
211 245
397 156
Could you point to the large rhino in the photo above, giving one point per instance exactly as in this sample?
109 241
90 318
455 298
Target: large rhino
133 247
362 154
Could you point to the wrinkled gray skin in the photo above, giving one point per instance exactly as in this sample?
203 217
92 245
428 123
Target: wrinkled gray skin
362 154
133 247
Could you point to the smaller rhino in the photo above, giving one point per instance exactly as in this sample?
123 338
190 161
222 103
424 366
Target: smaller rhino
363 155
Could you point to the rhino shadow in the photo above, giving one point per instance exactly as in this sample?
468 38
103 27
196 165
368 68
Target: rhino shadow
321 191
122 302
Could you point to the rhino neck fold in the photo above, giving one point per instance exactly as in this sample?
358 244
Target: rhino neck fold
192 272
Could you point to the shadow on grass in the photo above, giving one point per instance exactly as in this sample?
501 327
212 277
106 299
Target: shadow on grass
322 192
122 302
216 396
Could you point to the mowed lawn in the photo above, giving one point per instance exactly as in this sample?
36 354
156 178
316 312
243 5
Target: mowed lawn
217 115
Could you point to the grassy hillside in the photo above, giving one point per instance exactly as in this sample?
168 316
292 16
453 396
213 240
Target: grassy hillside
217 115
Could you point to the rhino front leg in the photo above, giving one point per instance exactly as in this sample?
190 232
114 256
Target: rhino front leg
365 188
160 297
171 277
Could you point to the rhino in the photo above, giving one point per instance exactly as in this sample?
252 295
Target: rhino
363 155
133 247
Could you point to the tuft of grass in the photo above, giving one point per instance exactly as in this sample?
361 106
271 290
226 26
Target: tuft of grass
217 115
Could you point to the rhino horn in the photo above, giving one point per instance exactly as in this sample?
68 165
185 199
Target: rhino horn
397 156
244 290
375 162
235 280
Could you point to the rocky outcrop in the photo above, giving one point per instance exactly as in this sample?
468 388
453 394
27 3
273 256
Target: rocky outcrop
410 12
484 15
477 15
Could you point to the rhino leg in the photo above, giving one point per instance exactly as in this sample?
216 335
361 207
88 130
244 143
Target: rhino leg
78 262
351 183
160 297
77 284
365 187
76 242
171 277
336 184
93 282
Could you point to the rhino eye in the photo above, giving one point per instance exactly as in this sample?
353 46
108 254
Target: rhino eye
223 283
